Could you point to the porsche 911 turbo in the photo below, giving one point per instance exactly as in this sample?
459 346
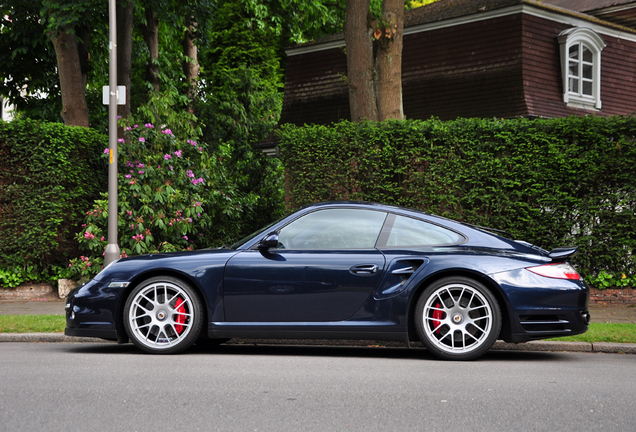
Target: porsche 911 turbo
341 270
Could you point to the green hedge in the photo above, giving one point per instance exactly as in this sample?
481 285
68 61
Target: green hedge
49 176
552 182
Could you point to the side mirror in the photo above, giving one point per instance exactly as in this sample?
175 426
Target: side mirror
270 241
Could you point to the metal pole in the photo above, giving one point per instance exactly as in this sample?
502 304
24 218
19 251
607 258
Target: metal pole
112 248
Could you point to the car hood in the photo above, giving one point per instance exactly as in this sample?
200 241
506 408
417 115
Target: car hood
189 262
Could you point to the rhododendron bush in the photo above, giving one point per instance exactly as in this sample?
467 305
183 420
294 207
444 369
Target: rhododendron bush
173 195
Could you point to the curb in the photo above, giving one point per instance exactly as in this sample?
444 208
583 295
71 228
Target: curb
46 337
545 346
597 347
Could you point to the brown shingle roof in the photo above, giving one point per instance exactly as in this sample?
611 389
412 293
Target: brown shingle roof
448 9
587 5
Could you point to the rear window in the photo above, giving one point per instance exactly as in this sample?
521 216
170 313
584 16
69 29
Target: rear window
407 231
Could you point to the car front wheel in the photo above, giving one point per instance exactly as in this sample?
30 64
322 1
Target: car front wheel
457 318
163 315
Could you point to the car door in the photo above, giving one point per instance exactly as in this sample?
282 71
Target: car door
324 269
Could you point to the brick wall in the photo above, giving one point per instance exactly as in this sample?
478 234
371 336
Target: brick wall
625 296
27 291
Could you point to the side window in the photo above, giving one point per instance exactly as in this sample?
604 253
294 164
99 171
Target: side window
333 229
581 66
407 231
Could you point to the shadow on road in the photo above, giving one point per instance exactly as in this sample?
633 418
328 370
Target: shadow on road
310 351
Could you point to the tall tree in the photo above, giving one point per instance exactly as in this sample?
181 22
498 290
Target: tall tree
375 83
191 66
198 19
72 81
388 62
360 73
124 13
150 30
68 28
50 48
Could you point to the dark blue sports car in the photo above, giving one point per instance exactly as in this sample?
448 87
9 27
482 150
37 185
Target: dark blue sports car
341 271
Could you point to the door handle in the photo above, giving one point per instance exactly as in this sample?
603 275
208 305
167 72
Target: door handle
364 269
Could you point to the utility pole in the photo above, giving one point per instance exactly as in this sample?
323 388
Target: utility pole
112 248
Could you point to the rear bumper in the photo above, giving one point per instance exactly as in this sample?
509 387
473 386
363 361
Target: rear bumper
543 307
549 324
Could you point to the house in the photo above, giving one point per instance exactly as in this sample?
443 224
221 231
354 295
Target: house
6 110
487 58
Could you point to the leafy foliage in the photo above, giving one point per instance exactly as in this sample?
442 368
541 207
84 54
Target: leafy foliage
241 81
27 61
174 194
551 182
297 21
49 175
240 102
12 277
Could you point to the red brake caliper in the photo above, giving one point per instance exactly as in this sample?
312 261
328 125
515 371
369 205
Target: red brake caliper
180 315
437 315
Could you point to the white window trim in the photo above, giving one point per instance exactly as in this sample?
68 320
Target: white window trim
595 43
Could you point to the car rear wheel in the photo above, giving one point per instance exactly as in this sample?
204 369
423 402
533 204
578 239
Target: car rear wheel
163 315
457 318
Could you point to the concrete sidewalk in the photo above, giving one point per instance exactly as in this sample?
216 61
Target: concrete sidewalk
599 313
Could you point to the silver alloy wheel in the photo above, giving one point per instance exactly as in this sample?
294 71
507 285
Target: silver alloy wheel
457 318
160 315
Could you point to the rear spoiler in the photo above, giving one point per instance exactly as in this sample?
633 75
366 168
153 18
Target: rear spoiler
563 253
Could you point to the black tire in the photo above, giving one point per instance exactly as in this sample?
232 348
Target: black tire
163 315
457 318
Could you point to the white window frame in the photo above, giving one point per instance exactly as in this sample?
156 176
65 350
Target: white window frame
595 43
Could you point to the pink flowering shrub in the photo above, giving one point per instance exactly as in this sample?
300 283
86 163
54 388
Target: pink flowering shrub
173 195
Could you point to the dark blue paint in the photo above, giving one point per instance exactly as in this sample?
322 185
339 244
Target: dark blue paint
294 286
317 294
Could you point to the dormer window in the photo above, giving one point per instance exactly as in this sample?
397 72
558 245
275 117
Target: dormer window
581 67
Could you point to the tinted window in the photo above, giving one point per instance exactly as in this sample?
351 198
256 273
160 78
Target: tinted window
333 229
413 232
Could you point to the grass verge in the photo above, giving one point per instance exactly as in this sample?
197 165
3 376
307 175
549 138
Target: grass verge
32 323
605 332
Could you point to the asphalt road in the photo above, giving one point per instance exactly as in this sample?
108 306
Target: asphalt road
108 387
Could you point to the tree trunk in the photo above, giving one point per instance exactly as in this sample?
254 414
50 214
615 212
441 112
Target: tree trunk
389 60
362 103
191 66
124 52
74 108
83 52
151 36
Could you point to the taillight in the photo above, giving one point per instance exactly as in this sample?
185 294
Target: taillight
557 271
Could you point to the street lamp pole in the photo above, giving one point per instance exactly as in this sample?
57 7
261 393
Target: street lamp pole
112 248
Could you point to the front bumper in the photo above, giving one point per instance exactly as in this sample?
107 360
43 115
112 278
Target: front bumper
91 311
